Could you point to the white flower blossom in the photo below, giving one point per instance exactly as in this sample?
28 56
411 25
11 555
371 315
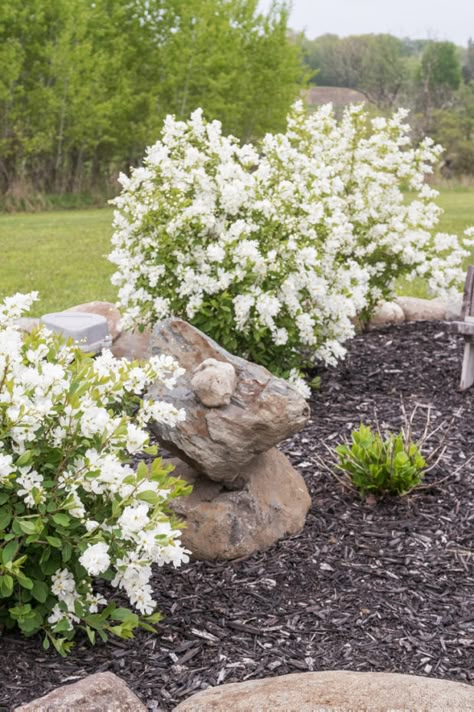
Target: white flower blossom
95 559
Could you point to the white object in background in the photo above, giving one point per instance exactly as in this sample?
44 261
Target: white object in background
89 331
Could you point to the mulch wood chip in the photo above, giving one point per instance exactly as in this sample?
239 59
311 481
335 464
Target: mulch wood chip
370 586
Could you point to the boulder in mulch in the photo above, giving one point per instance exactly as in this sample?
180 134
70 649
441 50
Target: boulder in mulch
416 309
222 441
94 693
222 524
333 691
386 313
105 309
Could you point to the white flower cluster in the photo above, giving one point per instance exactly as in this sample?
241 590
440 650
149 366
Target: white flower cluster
67 436
291 241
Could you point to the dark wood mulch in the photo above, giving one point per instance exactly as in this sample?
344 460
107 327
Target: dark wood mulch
384 586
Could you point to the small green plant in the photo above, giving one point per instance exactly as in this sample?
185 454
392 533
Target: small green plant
391 465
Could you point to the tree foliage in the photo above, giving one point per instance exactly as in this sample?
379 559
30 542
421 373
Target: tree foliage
84 87
372 64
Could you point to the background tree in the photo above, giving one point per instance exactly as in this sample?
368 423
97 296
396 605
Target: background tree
372 64
84 87
468 63
439 77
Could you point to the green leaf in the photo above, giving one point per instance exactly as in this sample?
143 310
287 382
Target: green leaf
5 517
6 586
121 631
54 541
24 581
25 458
149 496
125 615
40 591
154 617
27 526
62 626
9 551
62 519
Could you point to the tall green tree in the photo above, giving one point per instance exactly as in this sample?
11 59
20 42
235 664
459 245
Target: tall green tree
439 76
84 86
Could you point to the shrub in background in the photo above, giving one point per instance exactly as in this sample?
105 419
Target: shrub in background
273 253
72 508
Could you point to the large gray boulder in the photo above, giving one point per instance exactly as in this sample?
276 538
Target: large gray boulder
223 524
221 441
335 691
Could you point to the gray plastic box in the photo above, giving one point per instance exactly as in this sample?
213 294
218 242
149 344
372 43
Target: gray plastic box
89 331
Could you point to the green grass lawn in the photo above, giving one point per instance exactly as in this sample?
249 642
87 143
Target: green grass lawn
63 255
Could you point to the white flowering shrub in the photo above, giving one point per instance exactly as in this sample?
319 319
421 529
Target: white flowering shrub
73 510
365 185
273 253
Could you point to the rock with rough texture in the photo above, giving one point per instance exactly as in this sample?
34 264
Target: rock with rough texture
132 345
222 524
386 313
335 691
103 692
214 382
221 442
105 309
416 309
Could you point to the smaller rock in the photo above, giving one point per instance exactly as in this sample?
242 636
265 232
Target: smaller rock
386 313
105 309
132 345
214 382
223 524
94 693
416 309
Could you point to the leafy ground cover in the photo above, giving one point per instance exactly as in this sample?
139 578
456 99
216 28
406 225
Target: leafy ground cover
369 586
63 255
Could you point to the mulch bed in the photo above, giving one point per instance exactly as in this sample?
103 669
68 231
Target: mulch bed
384 586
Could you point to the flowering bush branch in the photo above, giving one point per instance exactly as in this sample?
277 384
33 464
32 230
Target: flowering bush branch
72 508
